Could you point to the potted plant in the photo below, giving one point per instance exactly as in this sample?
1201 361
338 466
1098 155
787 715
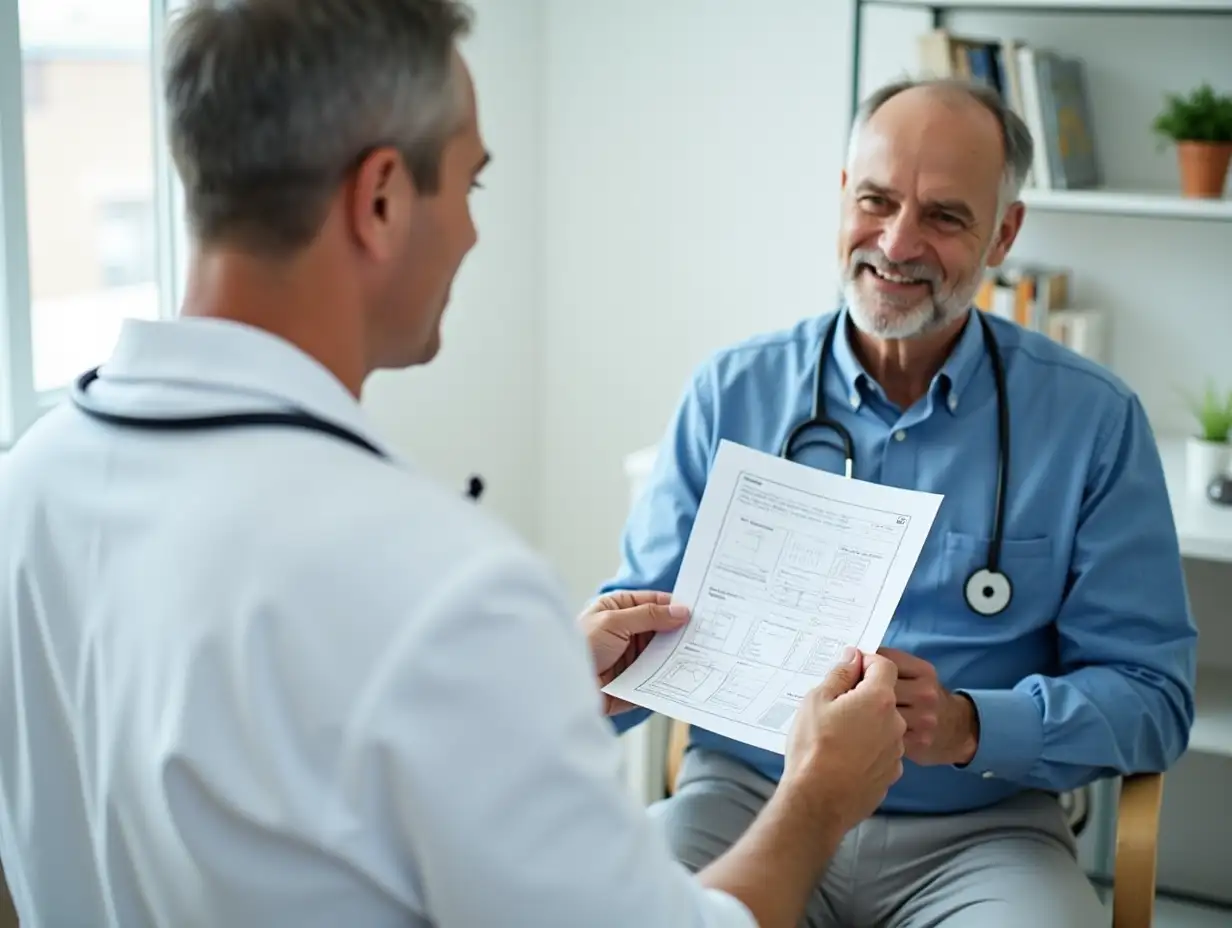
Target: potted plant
1201 126
1209 451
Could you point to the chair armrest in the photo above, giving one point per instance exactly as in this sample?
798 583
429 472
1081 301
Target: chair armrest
677 744
1137 839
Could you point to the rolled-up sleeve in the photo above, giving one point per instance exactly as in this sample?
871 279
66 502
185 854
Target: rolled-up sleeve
502 779
1127 643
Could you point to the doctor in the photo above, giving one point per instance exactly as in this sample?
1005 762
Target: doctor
255 672
1045 638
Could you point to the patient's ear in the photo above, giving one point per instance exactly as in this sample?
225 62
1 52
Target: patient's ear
842 179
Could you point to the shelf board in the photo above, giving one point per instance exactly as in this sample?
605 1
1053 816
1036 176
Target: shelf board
1212 731
1064 6
1128 203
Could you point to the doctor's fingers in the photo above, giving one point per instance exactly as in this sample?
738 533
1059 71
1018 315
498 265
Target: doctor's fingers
648 617
626 599
880 673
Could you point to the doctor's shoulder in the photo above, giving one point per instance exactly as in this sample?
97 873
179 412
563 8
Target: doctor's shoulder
401 535
35 460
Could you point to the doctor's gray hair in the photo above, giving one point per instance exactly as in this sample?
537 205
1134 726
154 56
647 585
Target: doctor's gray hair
271 102
1018 148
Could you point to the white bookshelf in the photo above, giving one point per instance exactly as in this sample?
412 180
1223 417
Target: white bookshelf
1127 203
1204 531
1095 6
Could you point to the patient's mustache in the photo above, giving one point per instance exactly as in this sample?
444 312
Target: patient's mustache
883 265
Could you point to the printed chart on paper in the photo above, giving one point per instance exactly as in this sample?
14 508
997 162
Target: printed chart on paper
785 566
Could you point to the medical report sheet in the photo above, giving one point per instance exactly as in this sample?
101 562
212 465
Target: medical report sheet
785 566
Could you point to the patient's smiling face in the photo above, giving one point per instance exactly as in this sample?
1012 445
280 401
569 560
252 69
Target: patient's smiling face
920 212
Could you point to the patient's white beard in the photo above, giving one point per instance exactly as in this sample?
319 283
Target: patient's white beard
890 321
928 315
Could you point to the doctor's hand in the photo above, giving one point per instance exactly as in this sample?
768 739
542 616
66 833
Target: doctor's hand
942 728
618 627
845 749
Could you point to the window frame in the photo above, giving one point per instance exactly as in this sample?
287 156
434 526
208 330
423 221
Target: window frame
21 404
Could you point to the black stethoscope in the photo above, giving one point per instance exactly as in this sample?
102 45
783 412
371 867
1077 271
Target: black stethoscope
988 590
290 418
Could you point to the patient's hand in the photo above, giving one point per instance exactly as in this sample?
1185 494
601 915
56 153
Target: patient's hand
618 627
942 727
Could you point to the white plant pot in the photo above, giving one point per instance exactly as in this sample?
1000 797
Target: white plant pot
1204 461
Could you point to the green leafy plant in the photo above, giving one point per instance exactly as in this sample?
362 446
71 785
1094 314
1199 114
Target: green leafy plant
1214 414
1202 116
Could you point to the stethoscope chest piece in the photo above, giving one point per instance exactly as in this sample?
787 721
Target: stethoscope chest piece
988 591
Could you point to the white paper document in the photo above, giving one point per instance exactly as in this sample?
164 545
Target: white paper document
784 567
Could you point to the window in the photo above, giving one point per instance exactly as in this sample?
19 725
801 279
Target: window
85 191
32 84
126 243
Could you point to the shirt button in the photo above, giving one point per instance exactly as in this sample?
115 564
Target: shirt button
987 774
953 403
855 401
900 435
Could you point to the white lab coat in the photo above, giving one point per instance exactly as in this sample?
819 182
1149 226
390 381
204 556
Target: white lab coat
260 677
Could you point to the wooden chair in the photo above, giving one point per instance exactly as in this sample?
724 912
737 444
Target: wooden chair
8 916
1137 836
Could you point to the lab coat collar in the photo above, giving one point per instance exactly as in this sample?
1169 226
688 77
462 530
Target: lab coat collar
247 366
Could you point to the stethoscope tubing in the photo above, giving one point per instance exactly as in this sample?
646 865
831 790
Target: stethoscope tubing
288 418
794 443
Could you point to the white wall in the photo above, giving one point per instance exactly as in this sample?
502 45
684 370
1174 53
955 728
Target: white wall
693 151
476 407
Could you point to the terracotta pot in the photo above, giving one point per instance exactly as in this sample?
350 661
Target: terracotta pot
1204 167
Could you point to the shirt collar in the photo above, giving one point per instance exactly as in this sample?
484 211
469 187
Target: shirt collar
953 378
961 365
239 367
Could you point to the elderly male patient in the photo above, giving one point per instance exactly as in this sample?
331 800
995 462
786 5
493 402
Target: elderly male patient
1080 666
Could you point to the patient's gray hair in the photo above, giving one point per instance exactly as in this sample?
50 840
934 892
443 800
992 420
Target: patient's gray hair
271 102
1018 148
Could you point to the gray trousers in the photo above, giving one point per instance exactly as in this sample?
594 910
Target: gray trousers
1010 866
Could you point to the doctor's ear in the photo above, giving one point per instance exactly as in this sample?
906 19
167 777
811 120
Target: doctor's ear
380 196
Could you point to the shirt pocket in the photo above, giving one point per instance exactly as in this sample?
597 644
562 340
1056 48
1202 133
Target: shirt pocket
1027 562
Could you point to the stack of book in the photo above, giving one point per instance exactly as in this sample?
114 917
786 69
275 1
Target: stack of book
1046 89
1037 298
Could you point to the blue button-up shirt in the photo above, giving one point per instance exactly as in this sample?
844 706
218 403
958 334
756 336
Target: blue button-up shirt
1090 670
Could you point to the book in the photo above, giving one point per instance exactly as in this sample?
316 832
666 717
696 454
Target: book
1047 90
